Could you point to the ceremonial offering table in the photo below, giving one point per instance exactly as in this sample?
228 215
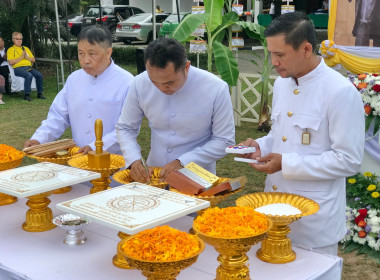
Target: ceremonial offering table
37 182
43 255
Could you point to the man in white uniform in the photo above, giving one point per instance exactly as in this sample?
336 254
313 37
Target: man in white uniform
97 91
189 112
317 134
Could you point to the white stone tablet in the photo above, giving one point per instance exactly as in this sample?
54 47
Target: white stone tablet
133 207
281 209
42 177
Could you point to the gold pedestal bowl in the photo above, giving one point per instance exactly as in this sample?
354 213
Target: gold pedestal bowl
123 177
232 253
277 247
164 270
6 199
72 152
103 182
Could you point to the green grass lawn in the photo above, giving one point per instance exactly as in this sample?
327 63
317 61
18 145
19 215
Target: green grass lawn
19 120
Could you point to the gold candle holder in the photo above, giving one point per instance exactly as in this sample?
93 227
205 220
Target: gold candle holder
104 181
277 247
168 270
232 253
72 152
123 177
118 260
39 217
6 199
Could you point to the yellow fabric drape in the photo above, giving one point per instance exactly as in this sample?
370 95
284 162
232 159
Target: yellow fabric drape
334 56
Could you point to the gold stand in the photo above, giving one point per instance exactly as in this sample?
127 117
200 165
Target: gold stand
118 260
39 217
63 190
276 247
101 184
6 199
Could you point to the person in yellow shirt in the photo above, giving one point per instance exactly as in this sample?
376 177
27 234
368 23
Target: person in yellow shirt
21 59
158 10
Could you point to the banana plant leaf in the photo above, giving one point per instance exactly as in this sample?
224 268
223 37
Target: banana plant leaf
188 26
214 9
227 20
225 63
253 30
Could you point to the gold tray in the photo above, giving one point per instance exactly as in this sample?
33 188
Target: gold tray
123 177
58 160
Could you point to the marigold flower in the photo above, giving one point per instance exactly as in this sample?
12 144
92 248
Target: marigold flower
362 76
367 174
161 244
367 109
362 223
352 181
375 194
362 234
362 85
9 153
231 222
371 188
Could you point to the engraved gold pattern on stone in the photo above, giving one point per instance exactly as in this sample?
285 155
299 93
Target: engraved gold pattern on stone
34 176
134 203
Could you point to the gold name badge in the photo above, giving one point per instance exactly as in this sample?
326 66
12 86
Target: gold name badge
306 138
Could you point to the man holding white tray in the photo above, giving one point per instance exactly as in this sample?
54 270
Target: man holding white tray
97 91
317 135
189 111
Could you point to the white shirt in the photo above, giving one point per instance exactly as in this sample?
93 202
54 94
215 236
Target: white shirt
194 124
331 110
83 99
2 53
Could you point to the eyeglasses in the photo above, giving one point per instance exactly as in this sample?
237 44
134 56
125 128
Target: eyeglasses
17 38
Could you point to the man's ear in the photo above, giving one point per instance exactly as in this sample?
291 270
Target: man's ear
109 51
308 49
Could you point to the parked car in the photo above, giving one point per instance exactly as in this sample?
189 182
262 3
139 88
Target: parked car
111 15
171 23
74 23
139 27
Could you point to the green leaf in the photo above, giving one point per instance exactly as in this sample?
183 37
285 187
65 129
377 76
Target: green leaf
351 246
227 20
225 63
188 26
253 30
377 125
368 121
214 9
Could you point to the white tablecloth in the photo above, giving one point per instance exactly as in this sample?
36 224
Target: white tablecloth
44 256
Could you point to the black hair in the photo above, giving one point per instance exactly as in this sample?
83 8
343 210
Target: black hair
162 51
296 27
96 34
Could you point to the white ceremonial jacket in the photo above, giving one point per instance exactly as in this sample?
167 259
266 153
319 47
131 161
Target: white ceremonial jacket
195 124
329 107
83 99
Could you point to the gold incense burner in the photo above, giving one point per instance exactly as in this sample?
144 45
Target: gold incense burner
232 253
160 270
72 152
277 247
6 199
123 177
101 184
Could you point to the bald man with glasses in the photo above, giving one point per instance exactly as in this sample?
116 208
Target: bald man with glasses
21 60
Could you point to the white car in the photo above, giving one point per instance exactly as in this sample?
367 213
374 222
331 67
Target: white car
139 27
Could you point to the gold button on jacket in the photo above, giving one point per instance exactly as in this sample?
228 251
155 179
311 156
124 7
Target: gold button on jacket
274 187
296 91
290 114
284 138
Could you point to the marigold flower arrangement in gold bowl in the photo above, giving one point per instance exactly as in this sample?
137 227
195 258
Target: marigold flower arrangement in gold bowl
54 158
123 177
282 209
232 231
10 158
162 252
